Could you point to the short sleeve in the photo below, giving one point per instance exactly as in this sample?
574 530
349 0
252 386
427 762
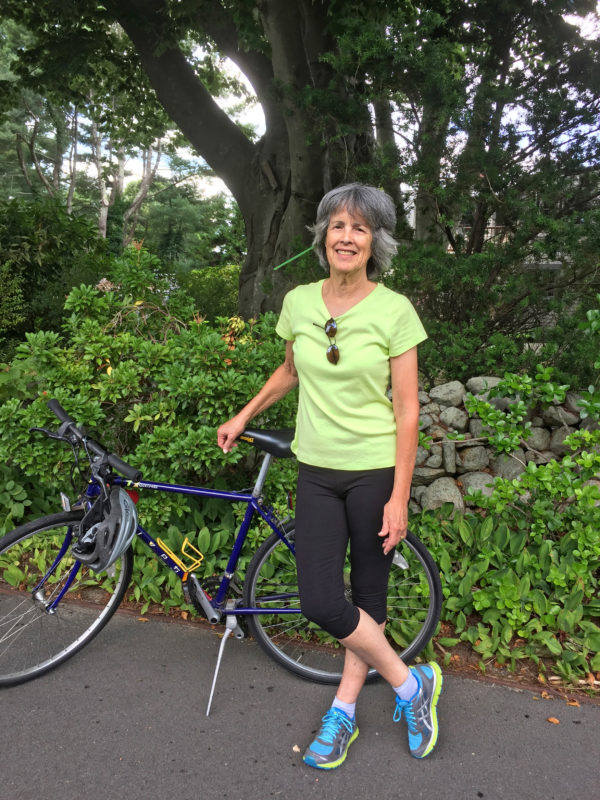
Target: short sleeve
407 329
284 323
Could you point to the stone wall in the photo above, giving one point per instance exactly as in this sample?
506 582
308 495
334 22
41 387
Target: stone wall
449 469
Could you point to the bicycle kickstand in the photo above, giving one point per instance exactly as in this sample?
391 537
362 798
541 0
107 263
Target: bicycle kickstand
231 626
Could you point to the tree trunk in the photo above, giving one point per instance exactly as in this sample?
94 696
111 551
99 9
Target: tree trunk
278 181
130 216
386 141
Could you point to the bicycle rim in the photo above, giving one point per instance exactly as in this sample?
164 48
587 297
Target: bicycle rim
414 605
34 637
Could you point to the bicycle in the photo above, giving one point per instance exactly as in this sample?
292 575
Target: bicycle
52 605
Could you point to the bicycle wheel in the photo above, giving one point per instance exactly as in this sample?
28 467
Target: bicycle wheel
414 605
39 629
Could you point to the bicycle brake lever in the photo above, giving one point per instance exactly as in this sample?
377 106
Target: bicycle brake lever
49 434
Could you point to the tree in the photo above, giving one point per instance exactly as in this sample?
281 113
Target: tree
481 96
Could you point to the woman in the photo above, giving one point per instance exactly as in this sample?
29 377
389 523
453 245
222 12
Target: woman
348 341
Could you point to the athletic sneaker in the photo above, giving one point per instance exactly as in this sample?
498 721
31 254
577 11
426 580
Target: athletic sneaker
420 712
331 744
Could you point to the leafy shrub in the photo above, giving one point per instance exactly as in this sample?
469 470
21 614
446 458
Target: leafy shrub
214 290
152 382
43 253
522 577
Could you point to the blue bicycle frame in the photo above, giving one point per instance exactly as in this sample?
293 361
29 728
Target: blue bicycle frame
254 507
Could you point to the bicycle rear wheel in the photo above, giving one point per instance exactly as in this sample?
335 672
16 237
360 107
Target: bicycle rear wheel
414 605
39 629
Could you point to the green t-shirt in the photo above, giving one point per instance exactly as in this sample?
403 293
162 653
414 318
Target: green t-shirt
345 419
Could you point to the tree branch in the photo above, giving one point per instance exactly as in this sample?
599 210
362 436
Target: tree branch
182 94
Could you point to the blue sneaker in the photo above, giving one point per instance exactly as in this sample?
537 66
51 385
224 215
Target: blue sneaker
420 711
331 743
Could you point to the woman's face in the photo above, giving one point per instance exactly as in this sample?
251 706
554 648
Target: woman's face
348 242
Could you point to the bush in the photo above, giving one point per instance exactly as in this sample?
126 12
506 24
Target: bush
214 290
44 252
522 577
152 383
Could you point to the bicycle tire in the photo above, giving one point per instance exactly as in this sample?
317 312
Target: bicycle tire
309 652
32 639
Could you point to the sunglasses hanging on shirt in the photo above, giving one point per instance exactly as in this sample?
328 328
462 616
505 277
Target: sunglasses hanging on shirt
330 328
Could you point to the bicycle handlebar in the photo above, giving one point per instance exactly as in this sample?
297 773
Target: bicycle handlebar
117 463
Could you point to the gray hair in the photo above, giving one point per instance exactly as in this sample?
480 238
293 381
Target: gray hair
378 210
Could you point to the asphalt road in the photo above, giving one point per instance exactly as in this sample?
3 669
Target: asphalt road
125 720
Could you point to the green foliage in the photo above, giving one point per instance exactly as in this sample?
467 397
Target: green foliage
43 253
506 429
493 312
213 289
188 231
522 576
135 368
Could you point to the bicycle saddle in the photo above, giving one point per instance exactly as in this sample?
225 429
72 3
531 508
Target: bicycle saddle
277 443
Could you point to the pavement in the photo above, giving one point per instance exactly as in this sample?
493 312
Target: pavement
125 720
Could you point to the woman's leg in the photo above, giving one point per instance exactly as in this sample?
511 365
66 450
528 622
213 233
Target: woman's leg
366 495
356 668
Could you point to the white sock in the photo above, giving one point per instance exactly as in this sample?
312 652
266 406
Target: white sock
348 708
408 689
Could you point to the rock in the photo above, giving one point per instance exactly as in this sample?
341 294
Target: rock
423 398
538 439
537 457
472 459
443 490
589 424
436 432
572 402
509 466
425 421
482 384
422 476
413 507
477 481
449 456
477 429
555 416
432 409
501 403
434 461
422 456
417 492
537 422
448 394
557 445
455 418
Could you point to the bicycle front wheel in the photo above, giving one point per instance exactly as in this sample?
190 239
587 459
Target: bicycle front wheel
414 606
50 605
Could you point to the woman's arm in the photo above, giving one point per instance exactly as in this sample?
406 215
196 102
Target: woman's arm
405 401
282 381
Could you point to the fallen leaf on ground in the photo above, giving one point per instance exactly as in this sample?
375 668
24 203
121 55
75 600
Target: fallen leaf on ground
553 720
142 619
545 695
296 748
591 678
573 703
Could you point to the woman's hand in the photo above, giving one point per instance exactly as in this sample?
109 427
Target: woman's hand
395 523
229 432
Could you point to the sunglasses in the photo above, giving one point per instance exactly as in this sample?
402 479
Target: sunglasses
330 328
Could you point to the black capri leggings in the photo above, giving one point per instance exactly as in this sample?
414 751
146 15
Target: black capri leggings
332 508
